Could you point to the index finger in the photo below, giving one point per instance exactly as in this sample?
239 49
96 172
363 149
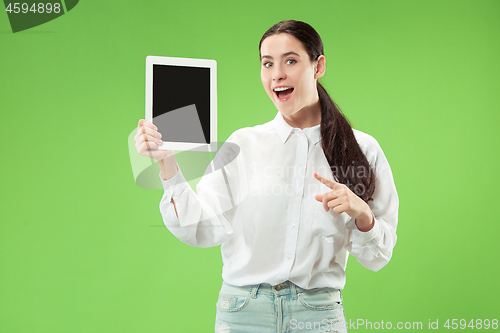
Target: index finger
328 182
147 123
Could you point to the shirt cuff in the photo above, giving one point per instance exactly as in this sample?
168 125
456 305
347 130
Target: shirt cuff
175 185
363 237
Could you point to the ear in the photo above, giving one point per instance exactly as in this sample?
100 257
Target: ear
320 67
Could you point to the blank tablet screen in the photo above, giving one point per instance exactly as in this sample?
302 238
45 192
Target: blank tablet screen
181 93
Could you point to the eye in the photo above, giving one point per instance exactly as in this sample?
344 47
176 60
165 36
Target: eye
290 61
267 64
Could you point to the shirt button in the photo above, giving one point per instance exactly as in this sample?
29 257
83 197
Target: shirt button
290 257
293 226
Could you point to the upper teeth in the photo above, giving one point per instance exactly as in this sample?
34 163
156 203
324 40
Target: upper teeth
281 88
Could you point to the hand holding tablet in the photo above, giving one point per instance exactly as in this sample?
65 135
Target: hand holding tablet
147 142
148 139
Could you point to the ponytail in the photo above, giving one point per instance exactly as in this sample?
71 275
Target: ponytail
348 163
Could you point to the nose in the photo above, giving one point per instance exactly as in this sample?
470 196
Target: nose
278 73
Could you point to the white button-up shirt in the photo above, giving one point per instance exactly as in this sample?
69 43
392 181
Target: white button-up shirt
257 199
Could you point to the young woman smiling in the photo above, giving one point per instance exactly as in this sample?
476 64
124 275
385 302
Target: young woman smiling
289 204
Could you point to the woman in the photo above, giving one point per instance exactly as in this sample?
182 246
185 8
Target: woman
294 197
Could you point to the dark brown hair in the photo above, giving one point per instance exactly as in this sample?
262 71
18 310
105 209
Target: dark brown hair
348 163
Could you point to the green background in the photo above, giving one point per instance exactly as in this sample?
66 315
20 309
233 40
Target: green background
83 248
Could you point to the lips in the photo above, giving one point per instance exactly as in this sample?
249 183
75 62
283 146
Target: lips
283 93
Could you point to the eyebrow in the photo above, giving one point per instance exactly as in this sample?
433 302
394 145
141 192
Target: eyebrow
283 55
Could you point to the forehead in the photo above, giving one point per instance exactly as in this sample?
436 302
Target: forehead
276 45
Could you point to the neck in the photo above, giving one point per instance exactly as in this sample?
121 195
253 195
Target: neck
308 116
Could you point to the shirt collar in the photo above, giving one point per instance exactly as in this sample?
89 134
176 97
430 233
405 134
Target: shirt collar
284 130
313 133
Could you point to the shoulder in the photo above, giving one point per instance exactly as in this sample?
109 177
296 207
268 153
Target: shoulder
370 147
365 140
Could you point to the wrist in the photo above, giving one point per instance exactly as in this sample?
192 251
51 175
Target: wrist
366 221
168 166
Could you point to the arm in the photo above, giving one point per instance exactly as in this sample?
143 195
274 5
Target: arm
198 220
147 141
371 232
204 219
373 248
169 168
201 220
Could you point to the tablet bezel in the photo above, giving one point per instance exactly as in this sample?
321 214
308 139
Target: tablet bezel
187 62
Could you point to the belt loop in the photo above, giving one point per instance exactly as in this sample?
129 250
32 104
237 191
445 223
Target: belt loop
293 290
253 292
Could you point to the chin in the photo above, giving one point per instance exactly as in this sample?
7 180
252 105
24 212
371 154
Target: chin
285 111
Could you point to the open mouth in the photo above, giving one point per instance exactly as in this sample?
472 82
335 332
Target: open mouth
283 93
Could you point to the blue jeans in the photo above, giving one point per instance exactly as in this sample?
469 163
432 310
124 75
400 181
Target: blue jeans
285 308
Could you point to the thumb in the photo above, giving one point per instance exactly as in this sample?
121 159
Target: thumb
319 197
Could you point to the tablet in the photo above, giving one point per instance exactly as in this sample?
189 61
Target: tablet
181 100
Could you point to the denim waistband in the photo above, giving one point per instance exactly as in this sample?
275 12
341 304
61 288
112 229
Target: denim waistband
284 288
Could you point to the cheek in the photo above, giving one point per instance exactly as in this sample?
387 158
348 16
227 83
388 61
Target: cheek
265 82
264 77
308 86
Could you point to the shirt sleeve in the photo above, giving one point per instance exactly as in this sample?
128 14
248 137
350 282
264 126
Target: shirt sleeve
373 249
203 219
